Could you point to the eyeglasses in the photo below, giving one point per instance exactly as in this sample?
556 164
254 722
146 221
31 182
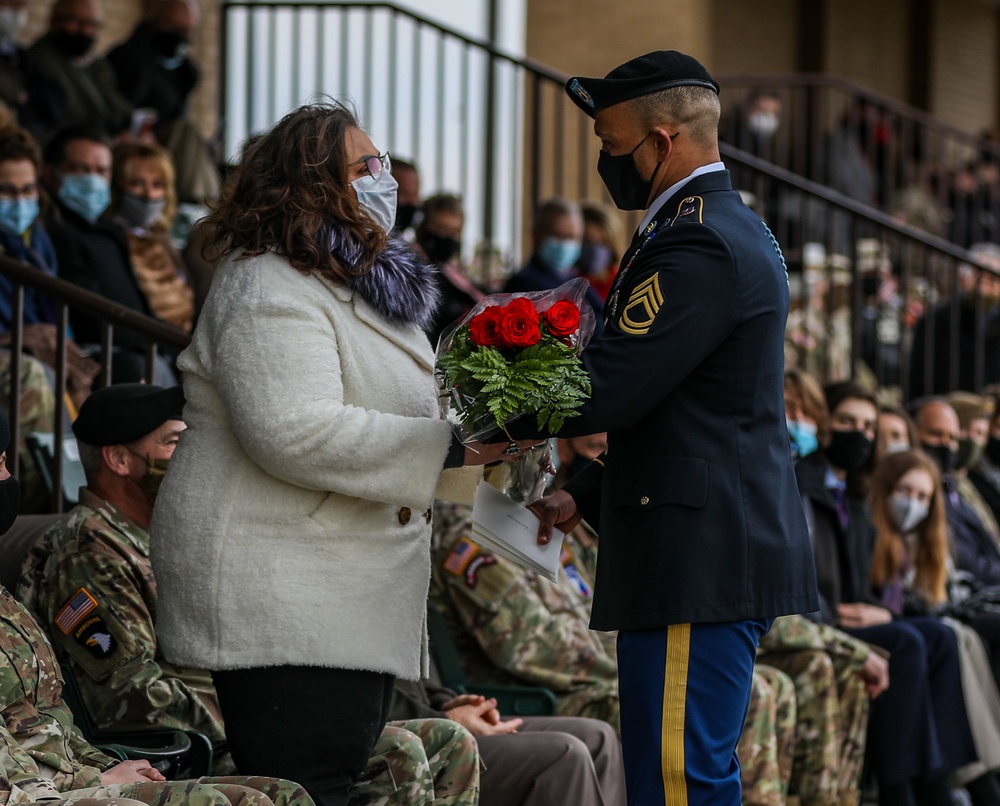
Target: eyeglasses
375 164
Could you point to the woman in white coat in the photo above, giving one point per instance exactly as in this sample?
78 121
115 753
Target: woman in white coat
291 536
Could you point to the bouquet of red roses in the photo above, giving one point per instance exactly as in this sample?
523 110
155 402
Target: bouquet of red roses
518 354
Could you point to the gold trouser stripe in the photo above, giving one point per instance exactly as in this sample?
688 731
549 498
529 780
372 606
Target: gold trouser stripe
674 700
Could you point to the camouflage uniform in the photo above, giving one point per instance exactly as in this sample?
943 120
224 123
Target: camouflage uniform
528 630
768 738
825 665
37 411
43 756
525 628
421 761
89 581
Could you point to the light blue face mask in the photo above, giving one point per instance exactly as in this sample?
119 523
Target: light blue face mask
87 195
559 255
16 215
803 436
378 198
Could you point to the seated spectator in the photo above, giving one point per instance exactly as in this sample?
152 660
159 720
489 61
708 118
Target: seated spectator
557 241
974 413
918 732
143 203
910 576
33 102
44 758
603 246
934 331
973 547
439 236
100 552
986 473
805 409
64 56
92 252
155 72
896 431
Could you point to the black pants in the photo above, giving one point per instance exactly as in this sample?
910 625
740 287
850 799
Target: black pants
918 726
311 725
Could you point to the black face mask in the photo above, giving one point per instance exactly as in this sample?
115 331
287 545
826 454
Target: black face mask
942 454
629 191
438 248
10 501
167 43
72 46
405 214
993 450
848 450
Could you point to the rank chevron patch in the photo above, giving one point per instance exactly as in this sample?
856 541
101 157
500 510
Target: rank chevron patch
643 305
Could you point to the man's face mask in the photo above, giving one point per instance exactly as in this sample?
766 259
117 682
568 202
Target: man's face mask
942 454
629 191
71 45
439 249
150 483
87 195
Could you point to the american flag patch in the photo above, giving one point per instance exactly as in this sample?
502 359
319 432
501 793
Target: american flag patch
74 610
565 556
464 551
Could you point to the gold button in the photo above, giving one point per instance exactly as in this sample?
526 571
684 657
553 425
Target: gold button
404 515
644 500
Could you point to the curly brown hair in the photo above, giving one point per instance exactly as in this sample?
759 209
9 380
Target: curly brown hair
291 191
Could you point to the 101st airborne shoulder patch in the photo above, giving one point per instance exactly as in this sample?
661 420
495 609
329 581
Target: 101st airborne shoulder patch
642 306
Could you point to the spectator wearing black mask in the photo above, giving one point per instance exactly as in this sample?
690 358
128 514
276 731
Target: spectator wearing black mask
985 474
439 236
407 197
64 57
974 549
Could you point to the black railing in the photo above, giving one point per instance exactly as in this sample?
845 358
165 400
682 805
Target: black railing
67 296
874 148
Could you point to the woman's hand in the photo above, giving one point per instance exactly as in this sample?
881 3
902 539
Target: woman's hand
858 614
875 673
481 453
131 772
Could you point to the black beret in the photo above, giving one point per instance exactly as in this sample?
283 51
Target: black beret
126 412
643 75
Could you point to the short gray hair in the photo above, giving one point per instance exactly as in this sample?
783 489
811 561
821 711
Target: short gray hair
695 108
91 458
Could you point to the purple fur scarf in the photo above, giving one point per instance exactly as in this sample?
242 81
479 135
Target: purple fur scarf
399 286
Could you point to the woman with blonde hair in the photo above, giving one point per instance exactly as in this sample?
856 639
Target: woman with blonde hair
143 202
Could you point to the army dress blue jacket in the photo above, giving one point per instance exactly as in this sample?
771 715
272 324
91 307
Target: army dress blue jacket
695 500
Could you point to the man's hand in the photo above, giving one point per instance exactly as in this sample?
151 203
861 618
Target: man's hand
131 772
875 673
482 453
479 716
559 510
858 614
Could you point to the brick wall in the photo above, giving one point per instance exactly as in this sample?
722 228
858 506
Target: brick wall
964 76
121 16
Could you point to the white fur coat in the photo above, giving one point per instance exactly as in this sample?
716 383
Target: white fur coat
313 431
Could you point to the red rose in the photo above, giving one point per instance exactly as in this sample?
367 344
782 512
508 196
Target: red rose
563 318
519 325
484 328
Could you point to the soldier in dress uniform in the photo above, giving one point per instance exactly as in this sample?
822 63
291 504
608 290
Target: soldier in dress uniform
703 536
